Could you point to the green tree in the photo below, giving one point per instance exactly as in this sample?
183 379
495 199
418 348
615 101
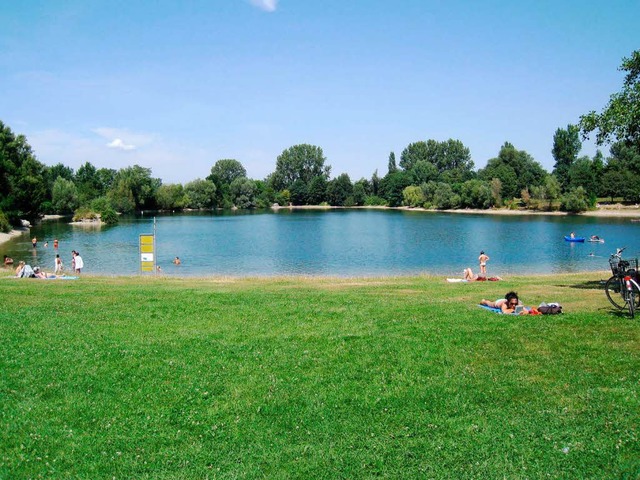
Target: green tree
120 196
582 174
496 191
57 170
300 162
628 157
244 192
620 120
317 191
516 169
413 196
23 183
64 196
170 196
391 166
266 194
142 186
422 172
299 192
392 186
375 183
199 194
30 189
566 146
444 197
575 201
87 183
552 189
414 153
359 192
451 159
226 171
476 194
339 190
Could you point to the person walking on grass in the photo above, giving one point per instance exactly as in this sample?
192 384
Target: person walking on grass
483 259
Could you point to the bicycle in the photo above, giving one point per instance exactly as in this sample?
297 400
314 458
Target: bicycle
622 288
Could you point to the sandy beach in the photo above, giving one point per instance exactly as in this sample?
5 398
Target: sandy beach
5 237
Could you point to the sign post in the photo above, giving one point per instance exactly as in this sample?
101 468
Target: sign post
147 253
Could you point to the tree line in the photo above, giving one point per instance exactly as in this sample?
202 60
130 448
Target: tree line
430 174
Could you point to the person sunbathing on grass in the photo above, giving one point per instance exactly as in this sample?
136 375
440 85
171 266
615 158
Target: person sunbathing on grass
508 304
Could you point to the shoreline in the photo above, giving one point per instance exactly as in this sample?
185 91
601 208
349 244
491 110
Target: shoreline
614 211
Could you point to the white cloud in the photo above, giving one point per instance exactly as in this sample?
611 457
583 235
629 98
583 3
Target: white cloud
172 162
266 5
119 144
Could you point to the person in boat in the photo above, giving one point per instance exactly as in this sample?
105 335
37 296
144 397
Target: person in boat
595 237
572 235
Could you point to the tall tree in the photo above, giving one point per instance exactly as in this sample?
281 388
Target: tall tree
516 170
620 120
391 166
23 185
300 162
64 196
226 171
139 182
451 159
392 187
414 153
339 190
244 192
199 194
566 146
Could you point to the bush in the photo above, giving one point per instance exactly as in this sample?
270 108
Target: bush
575 201
109 216
373 200
84 213
5 226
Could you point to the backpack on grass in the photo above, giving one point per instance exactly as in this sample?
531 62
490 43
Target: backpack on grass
550 308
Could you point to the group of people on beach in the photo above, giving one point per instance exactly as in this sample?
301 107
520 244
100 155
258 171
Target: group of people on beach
25 270
510 303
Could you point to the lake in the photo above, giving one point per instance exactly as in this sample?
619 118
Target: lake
341 242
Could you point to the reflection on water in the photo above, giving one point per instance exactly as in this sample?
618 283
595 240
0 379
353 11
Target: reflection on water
337 242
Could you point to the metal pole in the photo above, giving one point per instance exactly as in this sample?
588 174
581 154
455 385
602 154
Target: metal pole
155 252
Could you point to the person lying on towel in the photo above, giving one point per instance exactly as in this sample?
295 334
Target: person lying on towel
509 304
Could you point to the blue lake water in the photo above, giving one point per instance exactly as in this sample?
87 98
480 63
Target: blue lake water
336 242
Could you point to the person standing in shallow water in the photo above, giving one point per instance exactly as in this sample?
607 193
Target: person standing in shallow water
78 263
483 259
58 265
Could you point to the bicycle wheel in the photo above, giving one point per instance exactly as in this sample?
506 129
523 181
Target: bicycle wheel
614 292
633 299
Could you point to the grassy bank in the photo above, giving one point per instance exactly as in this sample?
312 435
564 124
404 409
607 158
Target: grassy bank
314 378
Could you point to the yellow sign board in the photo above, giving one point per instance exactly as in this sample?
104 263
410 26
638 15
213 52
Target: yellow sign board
147 253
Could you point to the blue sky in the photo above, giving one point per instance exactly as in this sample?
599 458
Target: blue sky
175 86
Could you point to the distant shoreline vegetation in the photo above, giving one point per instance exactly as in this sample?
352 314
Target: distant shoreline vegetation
430 174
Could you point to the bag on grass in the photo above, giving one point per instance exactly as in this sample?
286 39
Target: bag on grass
550 308
27 272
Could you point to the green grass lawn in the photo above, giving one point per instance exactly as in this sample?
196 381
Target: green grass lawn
164 378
